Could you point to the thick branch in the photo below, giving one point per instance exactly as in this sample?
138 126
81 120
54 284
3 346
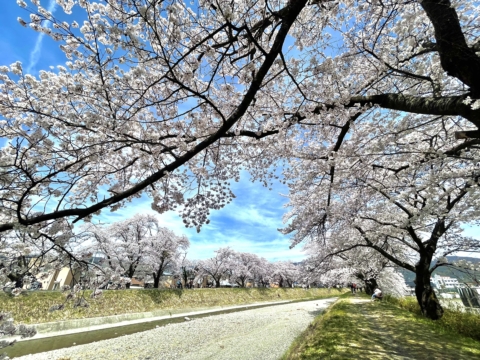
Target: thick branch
384 253
456 57
447 105
292 11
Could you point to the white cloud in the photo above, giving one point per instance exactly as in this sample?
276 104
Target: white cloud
37 49
248 224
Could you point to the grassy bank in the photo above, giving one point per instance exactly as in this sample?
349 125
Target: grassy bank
356 328
32 307
462 322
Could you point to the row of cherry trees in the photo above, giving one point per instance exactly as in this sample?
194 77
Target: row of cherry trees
241 268
375 107
140 247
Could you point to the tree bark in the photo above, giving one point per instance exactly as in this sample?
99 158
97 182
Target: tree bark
445 105
426 297
370 285
185 276
457 58
156 281
131 270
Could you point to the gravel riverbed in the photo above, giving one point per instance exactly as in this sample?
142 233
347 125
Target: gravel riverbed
260 334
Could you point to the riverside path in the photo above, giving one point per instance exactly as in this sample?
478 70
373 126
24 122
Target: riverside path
260 334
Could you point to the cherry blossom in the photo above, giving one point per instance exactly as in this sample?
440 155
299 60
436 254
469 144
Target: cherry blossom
372 109
218 266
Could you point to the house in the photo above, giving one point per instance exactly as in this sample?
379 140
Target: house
445 282
56 279
136 283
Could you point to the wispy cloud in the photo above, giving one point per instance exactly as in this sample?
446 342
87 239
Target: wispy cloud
248 224
37 49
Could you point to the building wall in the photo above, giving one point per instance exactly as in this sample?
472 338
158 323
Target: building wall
48 282
58 278
445 281
64 277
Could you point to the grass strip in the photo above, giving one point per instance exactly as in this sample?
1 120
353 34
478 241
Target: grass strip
356 328
462 321
33 307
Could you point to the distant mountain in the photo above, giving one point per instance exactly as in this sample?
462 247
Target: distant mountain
446 271
457 258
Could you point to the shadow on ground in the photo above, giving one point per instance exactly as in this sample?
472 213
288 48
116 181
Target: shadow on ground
361 329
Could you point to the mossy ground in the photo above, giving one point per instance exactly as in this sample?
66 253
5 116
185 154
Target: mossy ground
32 307
356 328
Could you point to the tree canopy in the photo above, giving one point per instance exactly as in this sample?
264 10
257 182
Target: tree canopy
374 104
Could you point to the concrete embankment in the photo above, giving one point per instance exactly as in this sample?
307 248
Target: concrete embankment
33 307
58 335
261 333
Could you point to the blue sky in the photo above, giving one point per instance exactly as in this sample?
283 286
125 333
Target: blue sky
247 224
35 51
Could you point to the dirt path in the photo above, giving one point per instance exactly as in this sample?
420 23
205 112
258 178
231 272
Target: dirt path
384 333
378 327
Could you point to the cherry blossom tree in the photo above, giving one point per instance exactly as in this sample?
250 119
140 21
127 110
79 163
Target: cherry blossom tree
124 243
137 245
286 273
188 269
172 100
15 259
363 266
238 267
163 251
218 266
392 282
142 96
246 266
263 274
321 270
402 193
27 254
151 88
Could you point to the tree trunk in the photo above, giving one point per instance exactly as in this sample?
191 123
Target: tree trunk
185 276
158 275
156 281
217 282
426 297
131 271
370 285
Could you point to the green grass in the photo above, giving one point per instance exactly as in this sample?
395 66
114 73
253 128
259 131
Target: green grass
356 328
32 307
466 323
